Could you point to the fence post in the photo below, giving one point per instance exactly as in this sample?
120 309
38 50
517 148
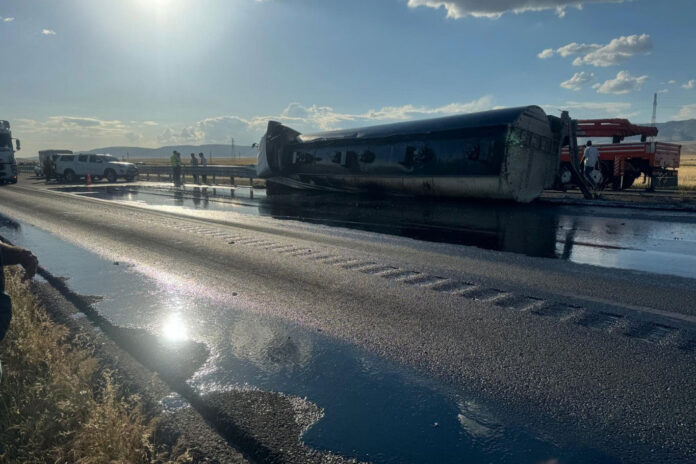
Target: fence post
251 188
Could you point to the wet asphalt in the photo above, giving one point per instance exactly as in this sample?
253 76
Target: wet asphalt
590 355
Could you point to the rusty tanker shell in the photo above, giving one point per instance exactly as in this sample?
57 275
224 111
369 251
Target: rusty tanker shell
501 154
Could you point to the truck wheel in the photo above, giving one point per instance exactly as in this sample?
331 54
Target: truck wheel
628 181
110 176
69 176
565 177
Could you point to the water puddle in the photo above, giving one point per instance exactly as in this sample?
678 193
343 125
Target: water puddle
374 410
651 241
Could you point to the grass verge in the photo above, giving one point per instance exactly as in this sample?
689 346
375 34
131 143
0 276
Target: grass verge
57 405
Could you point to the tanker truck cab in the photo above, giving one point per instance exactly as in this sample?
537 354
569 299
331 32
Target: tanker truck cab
8 165
71 168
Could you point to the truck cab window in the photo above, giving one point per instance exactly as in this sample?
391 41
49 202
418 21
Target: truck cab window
82 158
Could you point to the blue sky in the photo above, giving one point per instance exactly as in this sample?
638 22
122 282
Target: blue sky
82 74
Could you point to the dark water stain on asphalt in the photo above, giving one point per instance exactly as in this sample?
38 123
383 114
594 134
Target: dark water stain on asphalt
374 410
652 241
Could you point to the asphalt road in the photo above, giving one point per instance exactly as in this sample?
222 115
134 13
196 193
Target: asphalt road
607 356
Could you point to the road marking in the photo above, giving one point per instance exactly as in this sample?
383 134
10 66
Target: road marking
520 302
423 280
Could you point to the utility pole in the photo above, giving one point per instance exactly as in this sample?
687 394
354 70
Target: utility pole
232 147
654 115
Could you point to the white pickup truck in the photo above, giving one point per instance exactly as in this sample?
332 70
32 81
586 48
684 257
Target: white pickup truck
71 168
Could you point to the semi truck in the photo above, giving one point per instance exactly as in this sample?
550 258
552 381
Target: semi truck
620 164
8 164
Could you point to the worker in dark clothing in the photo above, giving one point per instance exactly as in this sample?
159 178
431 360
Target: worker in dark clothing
175 160
10 256
204 163
194 165
48 168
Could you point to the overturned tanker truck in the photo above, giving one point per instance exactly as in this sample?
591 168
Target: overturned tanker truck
511 154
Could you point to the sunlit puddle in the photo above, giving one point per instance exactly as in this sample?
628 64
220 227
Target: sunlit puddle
374 410
651 241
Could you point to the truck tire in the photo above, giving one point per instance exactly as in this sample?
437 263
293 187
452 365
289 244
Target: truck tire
111 176
69 176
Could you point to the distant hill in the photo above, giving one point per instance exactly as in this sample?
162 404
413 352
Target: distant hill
677 131
217 151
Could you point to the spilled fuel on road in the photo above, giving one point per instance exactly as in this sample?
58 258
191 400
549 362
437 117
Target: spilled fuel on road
633 239
419 420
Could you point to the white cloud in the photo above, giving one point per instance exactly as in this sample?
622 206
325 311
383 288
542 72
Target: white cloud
690 85
494 9
593 110
546 53
672 82
623 83
663 91
617 51
7 20
48 32
79 132
77 127
686 112
578 81
575 48
307 119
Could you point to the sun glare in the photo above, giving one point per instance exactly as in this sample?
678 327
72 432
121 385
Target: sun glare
174 328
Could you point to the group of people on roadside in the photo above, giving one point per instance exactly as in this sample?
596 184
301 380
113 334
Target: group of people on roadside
176 162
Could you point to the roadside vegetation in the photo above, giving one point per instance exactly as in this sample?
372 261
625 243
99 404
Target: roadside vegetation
687 169
57 405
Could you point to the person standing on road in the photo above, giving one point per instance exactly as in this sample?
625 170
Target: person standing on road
194 165
590 158
48 168
10 256
175 160
204 164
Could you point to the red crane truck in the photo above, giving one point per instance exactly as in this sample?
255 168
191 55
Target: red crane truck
622 163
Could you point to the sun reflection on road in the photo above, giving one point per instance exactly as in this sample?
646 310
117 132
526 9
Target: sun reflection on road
174 328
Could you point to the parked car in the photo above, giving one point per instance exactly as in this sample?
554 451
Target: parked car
71 168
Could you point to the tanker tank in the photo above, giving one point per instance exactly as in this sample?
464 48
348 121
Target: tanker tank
508 154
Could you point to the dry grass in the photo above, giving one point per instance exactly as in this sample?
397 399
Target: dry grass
55 404
687 168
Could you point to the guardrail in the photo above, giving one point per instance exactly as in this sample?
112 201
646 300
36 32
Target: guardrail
231 172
